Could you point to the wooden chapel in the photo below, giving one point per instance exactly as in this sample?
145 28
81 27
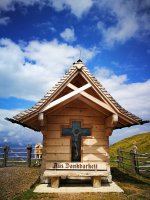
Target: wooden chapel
76 119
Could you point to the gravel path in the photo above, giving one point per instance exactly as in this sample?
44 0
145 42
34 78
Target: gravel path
14 180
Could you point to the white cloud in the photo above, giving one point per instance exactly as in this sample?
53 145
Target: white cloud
76 8
32 69
13 133
130 20
68 35
132 96
4 21
8 5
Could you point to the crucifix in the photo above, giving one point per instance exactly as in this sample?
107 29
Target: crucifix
76 132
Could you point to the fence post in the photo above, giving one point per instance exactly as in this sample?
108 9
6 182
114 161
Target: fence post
136 163
135 151
133 160
6 149
119 157
29 151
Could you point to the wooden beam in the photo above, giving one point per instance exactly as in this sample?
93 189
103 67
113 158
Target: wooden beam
93 99
53 173
110 123
66 97
108 131
41 119
62 104
94 106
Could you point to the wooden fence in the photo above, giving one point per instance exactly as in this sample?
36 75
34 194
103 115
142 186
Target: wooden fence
132 161
129 160
12 156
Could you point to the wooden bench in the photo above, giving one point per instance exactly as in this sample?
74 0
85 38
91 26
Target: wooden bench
55 171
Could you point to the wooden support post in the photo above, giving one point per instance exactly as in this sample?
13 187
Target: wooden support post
137 163
96 181
55 182
134 161
29 151
6 149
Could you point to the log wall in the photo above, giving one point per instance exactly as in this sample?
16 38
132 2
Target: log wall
94 148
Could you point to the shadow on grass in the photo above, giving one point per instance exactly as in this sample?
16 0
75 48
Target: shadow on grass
127 177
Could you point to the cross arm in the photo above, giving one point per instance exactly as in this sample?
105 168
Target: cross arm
66 97
67 131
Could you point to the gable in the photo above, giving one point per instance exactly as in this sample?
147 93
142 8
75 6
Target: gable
78 83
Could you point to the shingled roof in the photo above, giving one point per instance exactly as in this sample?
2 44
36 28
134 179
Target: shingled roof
73 69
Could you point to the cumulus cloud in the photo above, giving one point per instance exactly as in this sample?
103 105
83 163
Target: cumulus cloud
13 133
68 35
28 71
76 8
129 19
32 69
132 96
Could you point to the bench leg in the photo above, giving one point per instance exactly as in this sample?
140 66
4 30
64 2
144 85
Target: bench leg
96 180
55 182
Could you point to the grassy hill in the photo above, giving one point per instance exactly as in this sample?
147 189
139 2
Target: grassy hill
142 142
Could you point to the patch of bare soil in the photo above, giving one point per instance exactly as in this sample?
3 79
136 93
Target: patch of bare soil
15 180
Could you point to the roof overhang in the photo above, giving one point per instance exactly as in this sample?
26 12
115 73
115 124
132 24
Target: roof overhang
52 101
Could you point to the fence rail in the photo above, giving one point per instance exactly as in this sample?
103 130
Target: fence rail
18 155
129 160
132 161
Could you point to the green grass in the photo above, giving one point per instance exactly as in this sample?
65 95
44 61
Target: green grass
29 194
135 187
142 142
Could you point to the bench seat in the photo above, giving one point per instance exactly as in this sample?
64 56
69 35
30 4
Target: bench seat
67 173
55 176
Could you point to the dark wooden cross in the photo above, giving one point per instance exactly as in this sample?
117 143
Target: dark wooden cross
76 132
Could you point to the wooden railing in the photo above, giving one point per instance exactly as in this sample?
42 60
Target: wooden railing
11 156
132 161
129 160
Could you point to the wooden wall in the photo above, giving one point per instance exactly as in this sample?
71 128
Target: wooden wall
58 148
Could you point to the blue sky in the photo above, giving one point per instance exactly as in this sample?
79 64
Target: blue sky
39 40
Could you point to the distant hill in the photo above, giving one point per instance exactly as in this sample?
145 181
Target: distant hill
142 142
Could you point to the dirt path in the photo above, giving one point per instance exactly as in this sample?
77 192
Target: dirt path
15 180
